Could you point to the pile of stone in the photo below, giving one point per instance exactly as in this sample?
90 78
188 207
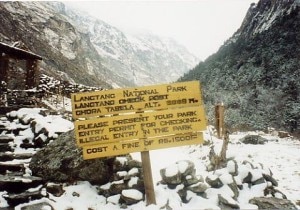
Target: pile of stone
49 85
33 129
181 176
126 186
225 183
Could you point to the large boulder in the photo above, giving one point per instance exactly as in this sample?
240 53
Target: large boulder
62 161
253 139
272 203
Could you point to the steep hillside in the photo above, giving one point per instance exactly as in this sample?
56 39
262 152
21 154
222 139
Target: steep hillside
87 50
256 73
63 48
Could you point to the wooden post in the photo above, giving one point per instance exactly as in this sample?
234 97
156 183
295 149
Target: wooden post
148 180
4 68
31 73
219 115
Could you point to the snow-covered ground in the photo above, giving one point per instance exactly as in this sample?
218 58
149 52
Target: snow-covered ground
281 155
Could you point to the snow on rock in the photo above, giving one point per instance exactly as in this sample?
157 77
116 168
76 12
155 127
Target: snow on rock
131 196
34 127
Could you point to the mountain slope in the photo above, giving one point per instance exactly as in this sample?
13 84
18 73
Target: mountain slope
87 50
137 58
256 72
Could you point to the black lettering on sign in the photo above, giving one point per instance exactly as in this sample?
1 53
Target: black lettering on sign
131 120
119 108
130 145
163 116
176 102
96 150
94 104
128 93
163 141
84 140
88 111
90 132
161 130
170 88
187 114
92 125
184 138
93 97
148 142
158 97
122 128
148 125
193 100
152 104
125 134
182 128
132 100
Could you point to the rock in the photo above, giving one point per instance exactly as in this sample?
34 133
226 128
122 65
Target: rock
227 202
134 164
270 179
234 187
253 139
16 199
199 187
114 199
61 161
274 192
117 187
248 178
190 180
55 189
136 183
283 134
4 147
176 174
18 184
182 194
121 163
272 203
38 206
259 181
15 167
131 196
4 156
232 167
214 181
171 175
6 139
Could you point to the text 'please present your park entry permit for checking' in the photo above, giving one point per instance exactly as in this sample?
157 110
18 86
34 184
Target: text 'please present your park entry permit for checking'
140 125
155 97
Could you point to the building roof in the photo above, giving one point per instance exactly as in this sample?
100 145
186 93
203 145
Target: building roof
18 52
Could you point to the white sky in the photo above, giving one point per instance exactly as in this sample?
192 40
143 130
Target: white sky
201 26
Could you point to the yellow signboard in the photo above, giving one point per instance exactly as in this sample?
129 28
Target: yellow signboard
129 146
99 103
142 125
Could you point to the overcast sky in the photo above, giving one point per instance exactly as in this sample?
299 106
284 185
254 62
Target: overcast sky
201 26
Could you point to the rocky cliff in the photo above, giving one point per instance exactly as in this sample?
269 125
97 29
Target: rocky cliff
256 72
89 51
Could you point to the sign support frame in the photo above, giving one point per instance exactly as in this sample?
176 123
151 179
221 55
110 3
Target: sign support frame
148 179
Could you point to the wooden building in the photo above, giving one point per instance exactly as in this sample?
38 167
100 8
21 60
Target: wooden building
14 60
19 70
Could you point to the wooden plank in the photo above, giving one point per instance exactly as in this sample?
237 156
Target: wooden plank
148 180
99 103
138 145
143 125
219 115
